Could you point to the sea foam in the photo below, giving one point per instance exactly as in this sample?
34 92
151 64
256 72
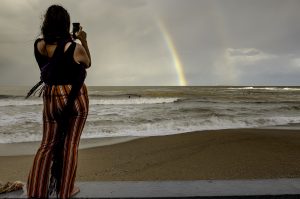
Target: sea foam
94 101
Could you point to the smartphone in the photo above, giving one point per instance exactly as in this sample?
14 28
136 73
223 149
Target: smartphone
76 27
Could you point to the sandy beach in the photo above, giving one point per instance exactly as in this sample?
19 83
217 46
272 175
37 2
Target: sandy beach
218 154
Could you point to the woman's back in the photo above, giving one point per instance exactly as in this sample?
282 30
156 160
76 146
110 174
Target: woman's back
45 51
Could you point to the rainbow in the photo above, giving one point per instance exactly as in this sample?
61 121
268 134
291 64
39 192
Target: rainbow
173 51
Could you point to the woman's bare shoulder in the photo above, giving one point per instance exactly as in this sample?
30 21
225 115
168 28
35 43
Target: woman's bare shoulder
40 43
80 49
80 55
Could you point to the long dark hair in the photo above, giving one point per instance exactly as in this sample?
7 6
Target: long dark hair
56 24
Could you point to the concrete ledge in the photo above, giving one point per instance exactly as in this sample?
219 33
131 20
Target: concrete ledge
269 188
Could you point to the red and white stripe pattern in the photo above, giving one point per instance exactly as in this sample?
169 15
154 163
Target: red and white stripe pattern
55 97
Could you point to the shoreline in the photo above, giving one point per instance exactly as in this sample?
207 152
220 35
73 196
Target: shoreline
30 148
205 155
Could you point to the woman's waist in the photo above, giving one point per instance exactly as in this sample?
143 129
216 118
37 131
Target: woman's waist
60 90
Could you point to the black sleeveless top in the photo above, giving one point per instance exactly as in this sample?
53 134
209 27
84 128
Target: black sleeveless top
66 70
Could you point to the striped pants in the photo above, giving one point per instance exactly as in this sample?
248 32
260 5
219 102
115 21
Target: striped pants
55 98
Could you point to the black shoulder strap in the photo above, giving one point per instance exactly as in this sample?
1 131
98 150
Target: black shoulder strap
35 44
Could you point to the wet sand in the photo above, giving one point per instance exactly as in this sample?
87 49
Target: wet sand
218 154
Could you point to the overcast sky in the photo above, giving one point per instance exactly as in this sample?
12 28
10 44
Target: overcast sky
218 42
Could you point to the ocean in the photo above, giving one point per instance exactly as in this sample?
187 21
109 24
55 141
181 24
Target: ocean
163 110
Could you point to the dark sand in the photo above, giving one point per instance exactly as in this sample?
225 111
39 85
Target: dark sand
219 154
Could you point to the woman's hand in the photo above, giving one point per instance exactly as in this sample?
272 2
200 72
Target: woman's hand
81 35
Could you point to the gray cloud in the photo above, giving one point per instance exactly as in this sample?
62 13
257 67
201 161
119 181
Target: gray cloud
219 42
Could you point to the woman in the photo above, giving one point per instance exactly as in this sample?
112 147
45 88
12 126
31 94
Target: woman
65 109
